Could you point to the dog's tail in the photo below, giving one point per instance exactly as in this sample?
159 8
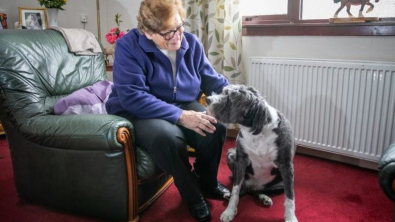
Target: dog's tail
273 190
336 1
276 186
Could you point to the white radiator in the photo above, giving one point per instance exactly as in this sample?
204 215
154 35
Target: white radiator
343 107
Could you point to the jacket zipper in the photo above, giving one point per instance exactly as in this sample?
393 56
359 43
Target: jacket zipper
175 83
174 88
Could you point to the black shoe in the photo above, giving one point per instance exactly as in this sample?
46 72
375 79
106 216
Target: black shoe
199 210
217 192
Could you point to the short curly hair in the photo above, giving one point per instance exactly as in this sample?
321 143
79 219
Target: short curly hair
157 15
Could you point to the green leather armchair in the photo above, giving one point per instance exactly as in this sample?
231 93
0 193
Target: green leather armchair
386 173
86 164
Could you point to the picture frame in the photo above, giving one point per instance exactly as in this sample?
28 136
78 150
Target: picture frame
33 18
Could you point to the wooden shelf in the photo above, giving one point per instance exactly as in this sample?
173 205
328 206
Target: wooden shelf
353 20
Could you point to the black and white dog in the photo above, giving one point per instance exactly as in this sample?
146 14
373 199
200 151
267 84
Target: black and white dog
262 161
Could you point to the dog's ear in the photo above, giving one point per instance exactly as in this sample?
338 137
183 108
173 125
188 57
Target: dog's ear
230 88
259 117
233 95
227 89
254 91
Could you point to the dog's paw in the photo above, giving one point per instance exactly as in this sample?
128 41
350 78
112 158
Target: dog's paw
266 200
228 215
292 219
227 196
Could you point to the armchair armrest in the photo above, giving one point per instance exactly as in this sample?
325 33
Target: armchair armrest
387 172
85 132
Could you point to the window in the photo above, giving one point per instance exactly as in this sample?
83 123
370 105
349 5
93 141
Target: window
264 7
311 17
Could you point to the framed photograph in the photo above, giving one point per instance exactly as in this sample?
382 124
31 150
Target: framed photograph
33 18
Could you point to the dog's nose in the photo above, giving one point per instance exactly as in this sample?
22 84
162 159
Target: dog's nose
208 100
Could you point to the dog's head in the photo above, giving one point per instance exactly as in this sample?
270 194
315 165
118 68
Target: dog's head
239 104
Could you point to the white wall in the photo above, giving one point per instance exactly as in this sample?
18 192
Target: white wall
128 10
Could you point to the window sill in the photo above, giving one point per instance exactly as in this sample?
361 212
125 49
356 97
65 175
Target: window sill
317 28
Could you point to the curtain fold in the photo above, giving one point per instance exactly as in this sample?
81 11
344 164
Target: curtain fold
218 25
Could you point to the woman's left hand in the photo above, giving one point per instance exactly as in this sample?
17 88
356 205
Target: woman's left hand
199 122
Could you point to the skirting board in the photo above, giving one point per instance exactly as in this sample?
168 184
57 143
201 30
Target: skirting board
336 157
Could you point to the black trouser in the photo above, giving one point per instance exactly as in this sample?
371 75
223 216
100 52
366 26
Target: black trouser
167 142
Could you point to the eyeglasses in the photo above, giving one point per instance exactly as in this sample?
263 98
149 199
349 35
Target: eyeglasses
170 34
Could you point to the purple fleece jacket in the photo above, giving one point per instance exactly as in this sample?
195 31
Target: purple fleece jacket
143 78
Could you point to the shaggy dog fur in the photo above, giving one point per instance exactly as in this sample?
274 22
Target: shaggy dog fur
262 163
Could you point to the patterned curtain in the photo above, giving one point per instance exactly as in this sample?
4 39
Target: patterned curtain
218 25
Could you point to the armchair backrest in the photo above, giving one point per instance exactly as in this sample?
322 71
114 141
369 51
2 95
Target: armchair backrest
36 69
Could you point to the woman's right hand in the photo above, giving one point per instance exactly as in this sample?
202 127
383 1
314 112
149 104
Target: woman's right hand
199 122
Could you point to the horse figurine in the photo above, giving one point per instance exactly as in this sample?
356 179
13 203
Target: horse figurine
348 3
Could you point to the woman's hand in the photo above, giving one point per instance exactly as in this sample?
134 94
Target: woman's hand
197 121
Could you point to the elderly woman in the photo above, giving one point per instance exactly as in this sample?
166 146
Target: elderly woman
159 73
